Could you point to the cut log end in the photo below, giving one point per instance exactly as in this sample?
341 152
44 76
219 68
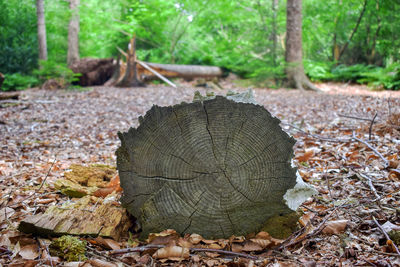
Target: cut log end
217 168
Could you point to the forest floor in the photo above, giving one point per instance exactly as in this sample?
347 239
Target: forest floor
44 132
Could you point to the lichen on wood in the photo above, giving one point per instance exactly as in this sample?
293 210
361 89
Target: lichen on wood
214 167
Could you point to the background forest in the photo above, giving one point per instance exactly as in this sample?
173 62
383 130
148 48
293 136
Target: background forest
343 40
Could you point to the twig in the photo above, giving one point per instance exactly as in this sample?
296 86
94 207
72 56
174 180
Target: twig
372 148
322 138
386 235
316 231
48 172
370 126
371 186
144 248
353 117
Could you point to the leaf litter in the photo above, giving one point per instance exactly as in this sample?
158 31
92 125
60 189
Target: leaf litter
341 150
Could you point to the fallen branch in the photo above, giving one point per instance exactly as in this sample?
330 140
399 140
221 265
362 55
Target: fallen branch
144 65
144 248
386 235
372 148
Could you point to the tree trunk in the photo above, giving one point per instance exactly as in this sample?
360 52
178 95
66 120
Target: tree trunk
41 30
274 34
73 33
295 75
217 168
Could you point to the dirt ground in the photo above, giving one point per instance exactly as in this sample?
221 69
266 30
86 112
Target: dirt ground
44 132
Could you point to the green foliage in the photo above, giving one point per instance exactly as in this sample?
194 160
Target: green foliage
376 77
387 78
318 70
206 33
17 81
53 70
18 36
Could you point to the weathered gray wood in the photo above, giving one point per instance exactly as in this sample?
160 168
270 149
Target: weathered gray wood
217 168
187 71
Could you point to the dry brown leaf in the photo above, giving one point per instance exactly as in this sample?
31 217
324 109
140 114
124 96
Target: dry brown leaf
195 239
306 218
263 235
211 263
29 252
100 263
264 243
172 253
168 232
335 227
306 156
107 243
184 243
214 246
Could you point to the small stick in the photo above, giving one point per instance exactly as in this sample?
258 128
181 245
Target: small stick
371 186
322 138
316 231
219 251
372 148
353 117
156 73
370 126
386 235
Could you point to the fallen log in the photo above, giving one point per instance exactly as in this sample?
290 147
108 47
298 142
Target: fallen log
136 72
215 167
9 95
183 71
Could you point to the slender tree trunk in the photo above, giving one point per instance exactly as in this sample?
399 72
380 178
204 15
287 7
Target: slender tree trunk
275 4
295 75
41 30
73 33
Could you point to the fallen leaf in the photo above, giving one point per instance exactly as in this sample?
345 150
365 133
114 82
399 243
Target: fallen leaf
195 239
335 227
306 156
306 218
108 243
29 252
100 263
172 253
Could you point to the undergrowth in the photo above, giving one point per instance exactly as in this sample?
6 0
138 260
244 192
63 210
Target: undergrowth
375 77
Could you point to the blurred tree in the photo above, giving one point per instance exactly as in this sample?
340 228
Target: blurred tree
295 75
73 33
41 30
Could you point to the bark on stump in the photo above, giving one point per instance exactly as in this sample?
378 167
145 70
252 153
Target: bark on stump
217 168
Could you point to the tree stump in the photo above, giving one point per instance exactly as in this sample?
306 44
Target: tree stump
217 168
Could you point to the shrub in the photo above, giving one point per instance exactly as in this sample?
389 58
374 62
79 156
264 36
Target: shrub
17 81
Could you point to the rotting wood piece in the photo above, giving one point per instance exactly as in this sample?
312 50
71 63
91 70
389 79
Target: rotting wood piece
217 168
104 220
